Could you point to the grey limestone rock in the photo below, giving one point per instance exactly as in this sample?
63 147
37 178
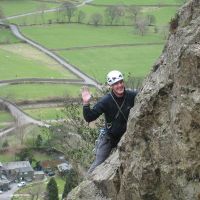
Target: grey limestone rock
158 157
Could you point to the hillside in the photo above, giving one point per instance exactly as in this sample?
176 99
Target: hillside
158 157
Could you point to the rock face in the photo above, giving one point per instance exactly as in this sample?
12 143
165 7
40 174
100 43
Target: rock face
159 156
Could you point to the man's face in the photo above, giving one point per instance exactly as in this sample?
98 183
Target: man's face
118 88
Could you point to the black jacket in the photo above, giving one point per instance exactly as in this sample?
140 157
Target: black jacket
115 121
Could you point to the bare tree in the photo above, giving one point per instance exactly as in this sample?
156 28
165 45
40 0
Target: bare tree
113 13
41 9
2 16
96 19
150 19
141 26
24 20
164 31
59 14
69 10
134 11
20 127
81 16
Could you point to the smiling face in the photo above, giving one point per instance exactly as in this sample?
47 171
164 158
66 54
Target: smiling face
118 88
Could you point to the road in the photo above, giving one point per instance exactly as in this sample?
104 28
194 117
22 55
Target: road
18 114
45 11
7 195
87 80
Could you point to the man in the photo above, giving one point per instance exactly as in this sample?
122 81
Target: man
115 106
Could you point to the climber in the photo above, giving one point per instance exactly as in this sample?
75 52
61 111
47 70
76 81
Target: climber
115 106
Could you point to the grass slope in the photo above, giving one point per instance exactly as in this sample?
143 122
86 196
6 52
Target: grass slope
97 62
23 61
49 113
5 116
76 35
33 92
6 37
137 2
16 7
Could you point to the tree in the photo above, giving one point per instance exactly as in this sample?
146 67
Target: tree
150 19
5 144
69 10
38 141
141 26
76 123
2 16
24 154
165 32
81 16
42 9
134 11
59 14
52 190
96 19
70 183
113 13
20 127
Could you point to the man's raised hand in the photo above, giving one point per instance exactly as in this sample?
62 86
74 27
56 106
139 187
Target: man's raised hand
86 96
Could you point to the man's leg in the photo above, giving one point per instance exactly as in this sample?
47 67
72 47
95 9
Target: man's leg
102 152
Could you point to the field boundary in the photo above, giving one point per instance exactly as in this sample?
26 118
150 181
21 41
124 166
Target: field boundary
107 46
139 5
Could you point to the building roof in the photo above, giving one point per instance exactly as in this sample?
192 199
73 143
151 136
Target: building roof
39 173
64 167
20 166
2 182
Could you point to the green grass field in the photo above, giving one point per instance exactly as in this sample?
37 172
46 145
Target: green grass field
97 62
39 187
23 61
75 35
137 2
15 7
6 37
5 117
33 92
49 113
14 140
42 156
7 157
162 16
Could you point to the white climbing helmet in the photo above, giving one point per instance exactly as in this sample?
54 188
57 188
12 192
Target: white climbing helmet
114 76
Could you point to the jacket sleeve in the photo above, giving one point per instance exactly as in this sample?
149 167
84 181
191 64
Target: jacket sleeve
91 114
